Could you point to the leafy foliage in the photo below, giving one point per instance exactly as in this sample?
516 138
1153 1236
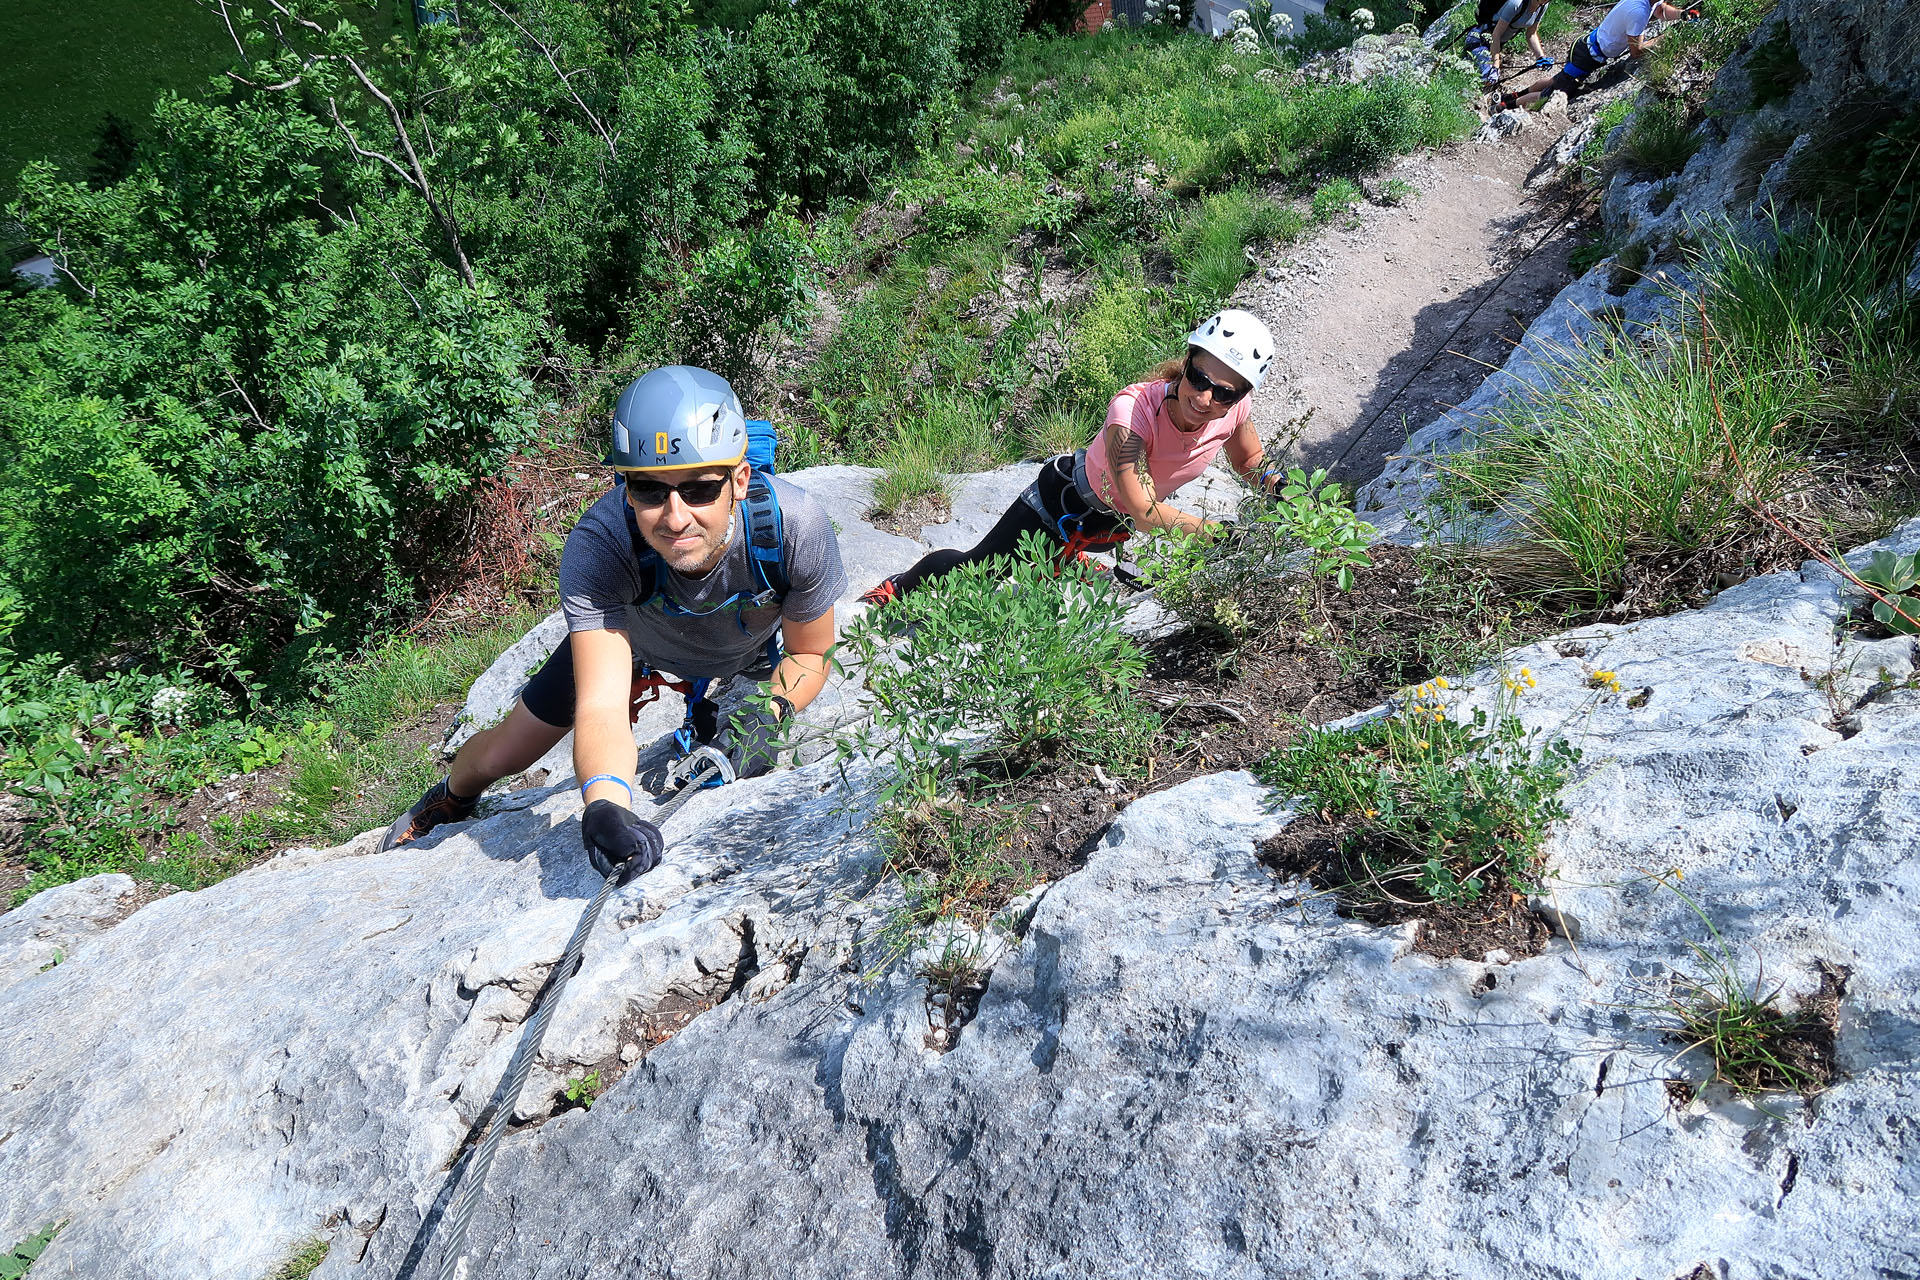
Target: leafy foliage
17 1261
1238 584
1756 1046
1437 808
1896 576
993 671
1006 650
297 330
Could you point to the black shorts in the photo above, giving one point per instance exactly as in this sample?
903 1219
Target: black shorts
1581 62
549 693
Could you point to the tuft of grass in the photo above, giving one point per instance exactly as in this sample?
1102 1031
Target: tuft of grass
302 1262
947 432
368 770
1058 430
1334 199
1756 1045
1659 140
1210 248
1667 440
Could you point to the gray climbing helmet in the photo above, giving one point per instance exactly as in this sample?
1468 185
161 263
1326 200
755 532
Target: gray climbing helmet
677 417
1238 338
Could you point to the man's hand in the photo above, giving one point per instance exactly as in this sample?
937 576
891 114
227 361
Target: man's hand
619 839
751 741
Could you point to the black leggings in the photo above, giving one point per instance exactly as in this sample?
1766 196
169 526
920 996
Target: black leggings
1057 494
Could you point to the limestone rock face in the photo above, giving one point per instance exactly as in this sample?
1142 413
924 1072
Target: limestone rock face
1185 1066
50 927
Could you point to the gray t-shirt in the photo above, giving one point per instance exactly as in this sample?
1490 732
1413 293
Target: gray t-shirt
600 580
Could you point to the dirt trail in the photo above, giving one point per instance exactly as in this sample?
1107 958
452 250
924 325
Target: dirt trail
1365 314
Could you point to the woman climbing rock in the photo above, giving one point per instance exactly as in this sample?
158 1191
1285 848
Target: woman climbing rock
1159 434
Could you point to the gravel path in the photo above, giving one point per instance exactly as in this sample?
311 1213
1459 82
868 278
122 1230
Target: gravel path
1396 312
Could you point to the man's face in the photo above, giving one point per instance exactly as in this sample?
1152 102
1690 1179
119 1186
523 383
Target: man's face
689 538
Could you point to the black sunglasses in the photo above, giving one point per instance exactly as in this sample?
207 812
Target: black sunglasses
1222 395
695 493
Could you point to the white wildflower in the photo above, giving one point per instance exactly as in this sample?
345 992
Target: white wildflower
1406 29
1228 70
1107 25
1267 76
1363 19
1281 25
1240 21
1245 41
169 703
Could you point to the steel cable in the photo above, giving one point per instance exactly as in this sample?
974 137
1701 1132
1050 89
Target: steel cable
497 1121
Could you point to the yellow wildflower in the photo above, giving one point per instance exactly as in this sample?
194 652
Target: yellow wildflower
1442 682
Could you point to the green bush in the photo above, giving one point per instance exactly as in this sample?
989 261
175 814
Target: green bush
1210 247
1016 656
1255 576
1436 809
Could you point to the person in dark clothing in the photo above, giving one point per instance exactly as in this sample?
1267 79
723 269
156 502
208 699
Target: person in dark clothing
1159 435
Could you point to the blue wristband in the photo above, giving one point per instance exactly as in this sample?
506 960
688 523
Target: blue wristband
606 777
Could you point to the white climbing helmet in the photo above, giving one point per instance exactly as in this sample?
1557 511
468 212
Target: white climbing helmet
1241 339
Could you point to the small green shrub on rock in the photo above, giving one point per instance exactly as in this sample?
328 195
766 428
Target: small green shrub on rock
1433 808
1239 584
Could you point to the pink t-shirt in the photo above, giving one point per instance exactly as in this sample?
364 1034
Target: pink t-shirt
1173 456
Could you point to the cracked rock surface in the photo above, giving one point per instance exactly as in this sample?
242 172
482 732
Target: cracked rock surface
1185 1067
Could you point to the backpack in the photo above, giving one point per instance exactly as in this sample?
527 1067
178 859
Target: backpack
1486 11
766 541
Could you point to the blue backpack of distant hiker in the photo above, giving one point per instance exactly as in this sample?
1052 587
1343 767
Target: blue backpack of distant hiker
766 534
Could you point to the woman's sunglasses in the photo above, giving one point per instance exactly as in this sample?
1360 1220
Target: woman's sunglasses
1222 395
695 493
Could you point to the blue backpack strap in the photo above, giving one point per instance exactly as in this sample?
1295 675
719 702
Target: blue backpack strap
766 536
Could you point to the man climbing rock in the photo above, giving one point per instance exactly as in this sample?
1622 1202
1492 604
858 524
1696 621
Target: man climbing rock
1494 23
1622 31
698 562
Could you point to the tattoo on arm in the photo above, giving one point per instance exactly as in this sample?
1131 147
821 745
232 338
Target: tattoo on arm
1125 449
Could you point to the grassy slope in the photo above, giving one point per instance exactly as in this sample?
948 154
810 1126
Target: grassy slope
1092 202
65 65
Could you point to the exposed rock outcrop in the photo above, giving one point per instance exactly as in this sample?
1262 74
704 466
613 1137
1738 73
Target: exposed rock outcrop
1187 1066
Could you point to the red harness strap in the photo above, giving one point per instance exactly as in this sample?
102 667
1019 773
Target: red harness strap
647 684
1081 541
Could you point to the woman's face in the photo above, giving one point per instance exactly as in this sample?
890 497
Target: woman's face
1194 408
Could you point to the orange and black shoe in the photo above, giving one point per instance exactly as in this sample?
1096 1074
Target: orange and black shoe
886 592
429 811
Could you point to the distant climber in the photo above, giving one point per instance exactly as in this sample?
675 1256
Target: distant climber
1622 31
1494 22
697 562
1159 434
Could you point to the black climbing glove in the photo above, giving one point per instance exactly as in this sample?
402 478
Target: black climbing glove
751 741
618 838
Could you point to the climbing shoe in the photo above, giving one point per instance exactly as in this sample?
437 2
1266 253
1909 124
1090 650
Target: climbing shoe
885 593
429 811
1507 101
1543 64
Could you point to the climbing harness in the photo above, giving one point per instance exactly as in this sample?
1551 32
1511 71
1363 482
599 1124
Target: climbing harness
497 1117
